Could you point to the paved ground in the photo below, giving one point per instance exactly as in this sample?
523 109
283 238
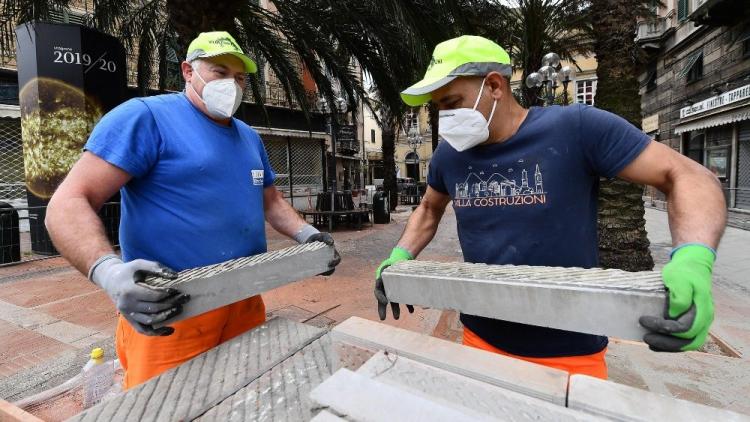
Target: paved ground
50 316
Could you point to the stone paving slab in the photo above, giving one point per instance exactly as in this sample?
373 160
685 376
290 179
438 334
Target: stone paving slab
213 286
361 398
191 389
484 398
281 394
595 301
533 380
623 403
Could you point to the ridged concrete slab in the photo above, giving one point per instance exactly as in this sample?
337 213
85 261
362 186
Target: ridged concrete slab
487 399
281 394
213 286
191 389
594 301
360 398
533 380
622 403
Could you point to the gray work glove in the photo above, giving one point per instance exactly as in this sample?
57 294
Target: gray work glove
309 234
140 305
328 240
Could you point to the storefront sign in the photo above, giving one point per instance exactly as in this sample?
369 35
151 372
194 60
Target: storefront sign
650 123
346 133
726 98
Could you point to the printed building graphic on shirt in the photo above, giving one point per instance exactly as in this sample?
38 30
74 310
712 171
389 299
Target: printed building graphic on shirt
483 189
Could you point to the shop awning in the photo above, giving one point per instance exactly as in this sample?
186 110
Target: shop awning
725 118
690 63
7 110
291 133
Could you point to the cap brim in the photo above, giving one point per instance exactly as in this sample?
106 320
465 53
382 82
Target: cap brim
250 66
421 92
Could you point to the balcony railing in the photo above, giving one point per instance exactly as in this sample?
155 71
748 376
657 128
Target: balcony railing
718 12
651 30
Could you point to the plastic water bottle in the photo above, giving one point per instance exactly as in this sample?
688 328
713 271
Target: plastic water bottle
97 377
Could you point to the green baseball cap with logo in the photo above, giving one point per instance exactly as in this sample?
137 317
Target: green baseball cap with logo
467 55
212 44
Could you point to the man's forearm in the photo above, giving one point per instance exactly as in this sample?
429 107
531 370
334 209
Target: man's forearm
696 208
283 217
77 232
420 229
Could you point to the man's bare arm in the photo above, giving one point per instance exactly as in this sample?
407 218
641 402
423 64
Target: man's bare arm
279 214
696 207
423 223
72 221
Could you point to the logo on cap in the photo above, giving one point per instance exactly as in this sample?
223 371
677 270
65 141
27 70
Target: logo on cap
434 61
225 41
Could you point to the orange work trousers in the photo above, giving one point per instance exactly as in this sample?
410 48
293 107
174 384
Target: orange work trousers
143 357
593 365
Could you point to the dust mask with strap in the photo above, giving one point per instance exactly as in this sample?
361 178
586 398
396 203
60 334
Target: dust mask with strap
222 97
465 128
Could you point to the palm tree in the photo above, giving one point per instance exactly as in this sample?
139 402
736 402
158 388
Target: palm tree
623 241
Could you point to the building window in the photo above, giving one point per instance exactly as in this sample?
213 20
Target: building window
650 82
412 121
694 146
682 9
696 71
372 136
586 91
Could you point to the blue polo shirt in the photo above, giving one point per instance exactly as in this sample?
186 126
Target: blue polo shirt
532 200
196 193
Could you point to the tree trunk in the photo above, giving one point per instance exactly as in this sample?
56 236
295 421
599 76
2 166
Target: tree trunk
389 163
623 241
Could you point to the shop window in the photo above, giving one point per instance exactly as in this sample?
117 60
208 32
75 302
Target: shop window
718 147
586 91
694 146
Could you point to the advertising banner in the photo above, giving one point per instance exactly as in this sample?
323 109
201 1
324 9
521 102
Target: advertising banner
69 76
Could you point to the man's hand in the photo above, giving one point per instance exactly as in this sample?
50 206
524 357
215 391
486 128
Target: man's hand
690 308
397 255
141 306
328 240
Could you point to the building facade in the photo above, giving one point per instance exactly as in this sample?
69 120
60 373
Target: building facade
582 87
696 87
414 145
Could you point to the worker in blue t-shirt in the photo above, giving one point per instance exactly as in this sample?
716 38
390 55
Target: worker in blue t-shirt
524 186
196 189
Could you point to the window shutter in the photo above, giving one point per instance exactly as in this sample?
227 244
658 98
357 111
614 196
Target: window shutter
682 10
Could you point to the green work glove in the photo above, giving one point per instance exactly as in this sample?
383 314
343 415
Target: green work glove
690 307
397 255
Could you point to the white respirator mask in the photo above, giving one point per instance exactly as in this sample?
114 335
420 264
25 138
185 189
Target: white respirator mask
222 97
465 128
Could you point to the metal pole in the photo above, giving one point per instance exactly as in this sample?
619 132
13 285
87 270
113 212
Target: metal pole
335 170
291 177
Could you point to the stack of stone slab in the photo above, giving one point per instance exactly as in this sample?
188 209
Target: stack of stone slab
368 371
217 285
595 301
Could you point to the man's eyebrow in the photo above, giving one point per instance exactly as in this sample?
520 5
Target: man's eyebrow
219 66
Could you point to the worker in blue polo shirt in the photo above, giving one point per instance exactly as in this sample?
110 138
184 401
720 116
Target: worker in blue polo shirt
524 185
196 188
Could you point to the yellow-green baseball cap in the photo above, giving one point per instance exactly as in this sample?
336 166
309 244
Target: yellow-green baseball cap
212 44
467 55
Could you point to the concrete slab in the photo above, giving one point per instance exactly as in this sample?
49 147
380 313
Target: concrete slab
623 403
191 389
533 380
281 394
709 379
326 416
594 301
364 399
496 402
213 286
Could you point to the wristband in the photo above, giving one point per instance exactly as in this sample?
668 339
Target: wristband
671 254
98 262
304 233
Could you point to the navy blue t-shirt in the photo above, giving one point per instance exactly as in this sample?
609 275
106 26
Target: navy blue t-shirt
532 200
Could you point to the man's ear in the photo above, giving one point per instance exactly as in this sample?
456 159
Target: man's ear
497 84
187 71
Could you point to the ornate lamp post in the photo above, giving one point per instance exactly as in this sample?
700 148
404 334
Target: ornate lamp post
548 76
340 105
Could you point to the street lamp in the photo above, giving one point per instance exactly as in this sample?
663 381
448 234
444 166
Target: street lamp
415 141
340 105
548 76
